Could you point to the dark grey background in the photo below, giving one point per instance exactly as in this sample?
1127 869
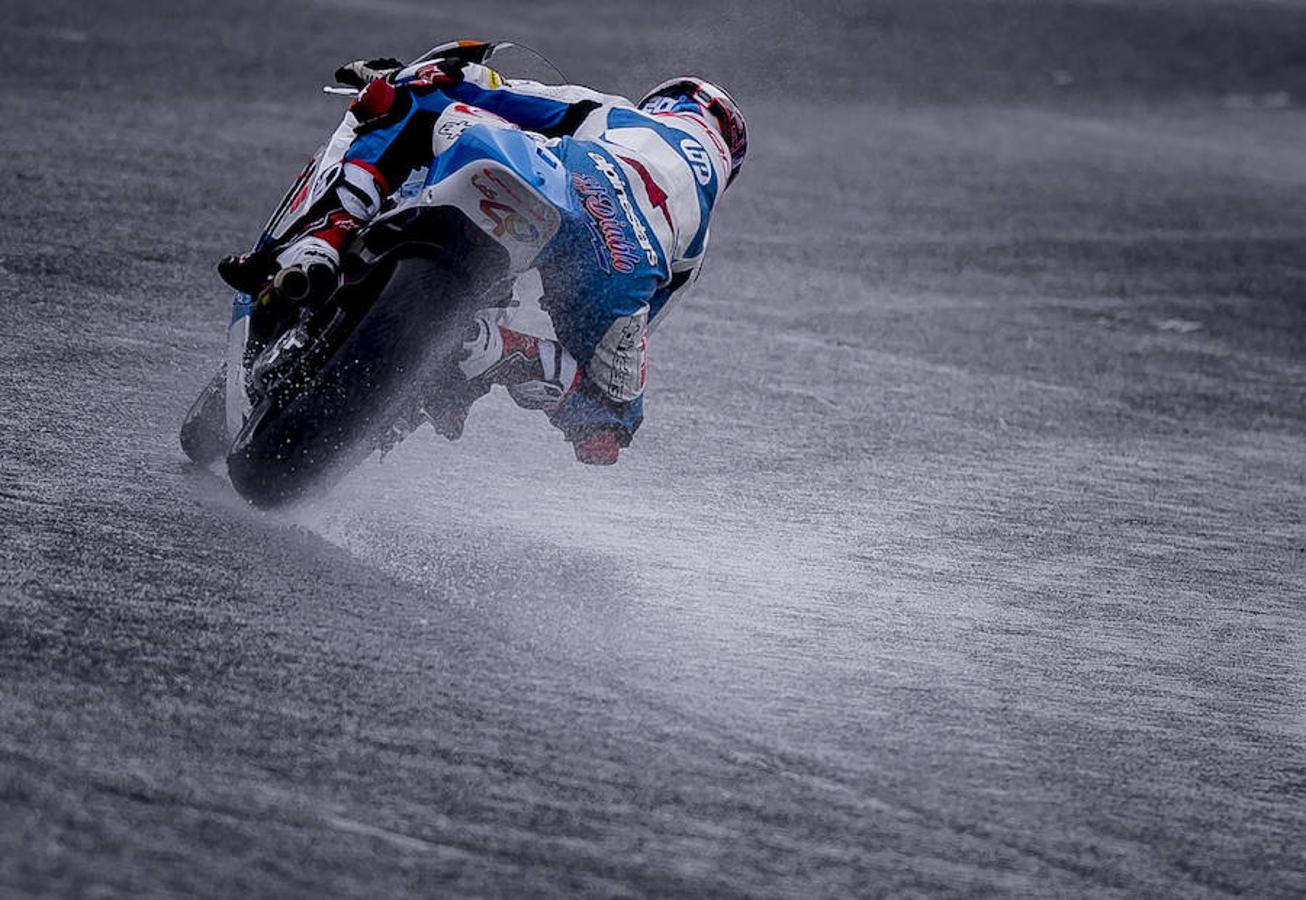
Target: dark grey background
962 551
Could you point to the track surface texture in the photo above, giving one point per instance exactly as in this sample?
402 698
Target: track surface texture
962 552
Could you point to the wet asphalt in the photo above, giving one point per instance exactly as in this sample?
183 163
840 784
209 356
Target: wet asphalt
962 551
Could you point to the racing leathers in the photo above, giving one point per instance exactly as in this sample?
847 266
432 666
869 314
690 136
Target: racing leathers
642 187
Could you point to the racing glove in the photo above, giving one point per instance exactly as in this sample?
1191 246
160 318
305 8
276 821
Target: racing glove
360 72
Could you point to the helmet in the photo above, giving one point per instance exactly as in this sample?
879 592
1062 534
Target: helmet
688 93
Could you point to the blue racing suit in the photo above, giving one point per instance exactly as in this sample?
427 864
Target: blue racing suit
635 217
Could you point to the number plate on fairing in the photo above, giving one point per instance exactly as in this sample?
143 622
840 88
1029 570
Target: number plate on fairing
503 205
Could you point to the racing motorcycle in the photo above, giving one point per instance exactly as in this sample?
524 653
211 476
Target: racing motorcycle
306 393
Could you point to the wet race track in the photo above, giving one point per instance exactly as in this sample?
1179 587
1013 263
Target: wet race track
962 551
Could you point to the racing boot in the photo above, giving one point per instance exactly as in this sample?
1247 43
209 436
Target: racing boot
536 371
247 272
304 262
307 268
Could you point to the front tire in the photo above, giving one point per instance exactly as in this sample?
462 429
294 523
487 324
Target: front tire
204 430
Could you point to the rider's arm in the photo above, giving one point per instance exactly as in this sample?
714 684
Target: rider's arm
548 109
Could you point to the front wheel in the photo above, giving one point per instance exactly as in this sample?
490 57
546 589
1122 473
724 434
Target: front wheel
204 430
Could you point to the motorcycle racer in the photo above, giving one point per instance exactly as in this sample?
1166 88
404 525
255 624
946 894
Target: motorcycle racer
643 182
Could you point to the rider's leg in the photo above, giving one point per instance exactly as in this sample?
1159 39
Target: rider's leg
597 406
596 280
384 136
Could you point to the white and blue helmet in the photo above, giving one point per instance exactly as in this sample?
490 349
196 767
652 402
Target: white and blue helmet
695 95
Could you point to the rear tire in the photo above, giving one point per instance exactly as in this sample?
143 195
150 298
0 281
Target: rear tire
285 454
